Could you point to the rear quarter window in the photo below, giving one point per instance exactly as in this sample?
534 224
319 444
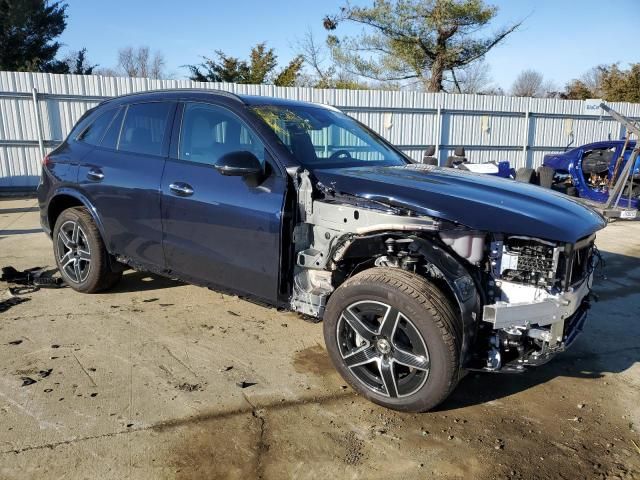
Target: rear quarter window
93 133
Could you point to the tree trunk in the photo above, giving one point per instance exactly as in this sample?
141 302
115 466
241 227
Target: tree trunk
437 74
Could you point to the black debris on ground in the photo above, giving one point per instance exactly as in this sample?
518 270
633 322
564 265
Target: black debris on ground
245 384
36 277
12 302
189 387
26 381
15 342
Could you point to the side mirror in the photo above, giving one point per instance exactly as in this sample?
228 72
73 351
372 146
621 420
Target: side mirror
241 164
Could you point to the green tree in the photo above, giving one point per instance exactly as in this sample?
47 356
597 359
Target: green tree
78 63
578 90
609 82
28 32
261 68
414 39
621 85
290 74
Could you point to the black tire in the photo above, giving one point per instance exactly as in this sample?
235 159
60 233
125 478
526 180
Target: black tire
545 176
525 175
94 273
422 308
572 191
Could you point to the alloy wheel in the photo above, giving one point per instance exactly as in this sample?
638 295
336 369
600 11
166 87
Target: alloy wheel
382 348
74 252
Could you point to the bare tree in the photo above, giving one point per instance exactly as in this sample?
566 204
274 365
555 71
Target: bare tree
593 80
323 71
529 83
315 56
473 78
140 62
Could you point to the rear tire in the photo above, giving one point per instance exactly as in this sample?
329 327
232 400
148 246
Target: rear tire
80 254
525 175
395 338
545 176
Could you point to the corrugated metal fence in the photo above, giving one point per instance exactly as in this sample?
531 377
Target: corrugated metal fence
37 111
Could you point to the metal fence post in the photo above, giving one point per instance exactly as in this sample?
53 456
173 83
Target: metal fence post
38 121
438 132
525 143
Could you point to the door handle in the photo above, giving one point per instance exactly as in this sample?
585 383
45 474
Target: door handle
181 189
95 174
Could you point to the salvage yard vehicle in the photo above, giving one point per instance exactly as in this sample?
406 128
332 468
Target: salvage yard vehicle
590 171
604 175
419 273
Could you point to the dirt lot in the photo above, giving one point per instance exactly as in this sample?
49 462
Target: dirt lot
145 382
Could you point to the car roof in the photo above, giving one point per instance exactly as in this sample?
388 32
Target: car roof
606 143
204 94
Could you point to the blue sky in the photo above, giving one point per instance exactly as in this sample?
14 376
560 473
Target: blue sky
560 38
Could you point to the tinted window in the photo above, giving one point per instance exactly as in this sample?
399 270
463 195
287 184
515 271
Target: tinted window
144 127
110 139
208 132
94 132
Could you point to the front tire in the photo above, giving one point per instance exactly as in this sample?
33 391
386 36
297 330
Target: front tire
394 337
80 254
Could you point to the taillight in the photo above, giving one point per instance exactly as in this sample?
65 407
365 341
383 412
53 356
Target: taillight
46 161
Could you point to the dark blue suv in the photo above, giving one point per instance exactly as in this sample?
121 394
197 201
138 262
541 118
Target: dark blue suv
419 273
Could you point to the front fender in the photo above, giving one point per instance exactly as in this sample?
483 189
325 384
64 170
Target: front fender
462 286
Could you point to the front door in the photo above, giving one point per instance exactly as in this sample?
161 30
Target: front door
221 230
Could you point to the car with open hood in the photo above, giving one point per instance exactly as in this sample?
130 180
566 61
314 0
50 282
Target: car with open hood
419 273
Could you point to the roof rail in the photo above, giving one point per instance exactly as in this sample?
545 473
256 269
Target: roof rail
214 91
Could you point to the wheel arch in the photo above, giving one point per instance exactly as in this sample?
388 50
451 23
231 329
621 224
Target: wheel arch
65 198
456 282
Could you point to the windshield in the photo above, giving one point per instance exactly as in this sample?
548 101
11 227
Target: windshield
322 138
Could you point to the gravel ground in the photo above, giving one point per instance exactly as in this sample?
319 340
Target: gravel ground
158 379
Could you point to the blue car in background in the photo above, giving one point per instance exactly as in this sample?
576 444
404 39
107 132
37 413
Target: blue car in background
586 172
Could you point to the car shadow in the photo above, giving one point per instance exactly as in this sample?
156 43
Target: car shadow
24 231
609 343
135 281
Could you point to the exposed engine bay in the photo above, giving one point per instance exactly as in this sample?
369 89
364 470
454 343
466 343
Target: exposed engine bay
520 299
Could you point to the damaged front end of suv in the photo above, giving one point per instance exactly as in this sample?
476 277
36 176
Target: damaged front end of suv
520 299
421 273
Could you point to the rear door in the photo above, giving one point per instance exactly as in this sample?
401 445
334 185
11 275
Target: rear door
221 230
122 176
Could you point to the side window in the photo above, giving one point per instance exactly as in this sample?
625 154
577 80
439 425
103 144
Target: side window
208 132
110 139
94 132
143 128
